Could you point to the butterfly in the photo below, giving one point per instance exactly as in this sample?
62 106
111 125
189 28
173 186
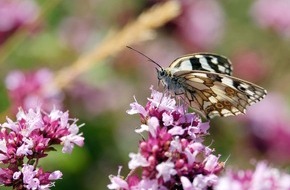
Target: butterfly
204 82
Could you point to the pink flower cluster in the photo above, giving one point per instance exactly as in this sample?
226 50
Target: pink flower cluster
24 141
270 131
33 89
201 24
173 156
273 14
15 14
264 177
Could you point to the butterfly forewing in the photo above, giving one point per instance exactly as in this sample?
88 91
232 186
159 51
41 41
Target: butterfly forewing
203 62
216 94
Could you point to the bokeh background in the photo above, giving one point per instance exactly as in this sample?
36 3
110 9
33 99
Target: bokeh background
49 55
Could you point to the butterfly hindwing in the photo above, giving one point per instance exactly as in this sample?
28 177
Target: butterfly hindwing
216 94
203 62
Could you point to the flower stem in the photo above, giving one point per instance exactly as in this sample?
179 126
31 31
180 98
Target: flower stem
142 29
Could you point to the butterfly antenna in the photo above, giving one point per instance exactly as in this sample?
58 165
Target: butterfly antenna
149 59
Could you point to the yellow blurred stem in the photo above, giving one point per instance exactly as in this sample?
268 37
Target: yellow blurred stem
139 30
22 33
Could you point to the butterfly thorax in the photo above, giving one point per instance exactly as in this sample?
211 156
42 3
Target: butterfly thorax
171 83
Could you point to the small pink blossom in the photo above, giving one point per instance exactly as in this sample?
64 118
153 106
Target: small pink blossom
211 163
137 108
137 160
55 175
176 130
118 183
166 170
202 182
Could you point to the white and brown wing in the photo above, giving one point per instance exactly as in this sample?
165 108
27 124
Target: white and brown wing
217 94
204 62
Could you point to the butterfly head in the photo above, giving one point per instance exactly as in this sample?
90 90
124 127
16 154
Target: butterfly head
161 73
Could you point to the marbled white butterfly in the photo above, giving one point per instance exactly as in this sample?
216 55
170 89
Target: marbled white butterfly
204 81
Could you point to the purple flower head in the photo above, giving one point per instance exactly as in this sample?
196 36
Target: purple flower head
31 90
263 177
15 14
29 178
173 155
31 137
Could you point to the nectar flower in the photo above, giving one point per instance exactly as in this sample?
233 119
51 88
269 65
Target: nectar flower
30 138
173 155
30 90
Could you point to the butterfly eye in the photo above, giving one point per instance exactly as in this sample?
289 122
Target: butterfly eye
160 73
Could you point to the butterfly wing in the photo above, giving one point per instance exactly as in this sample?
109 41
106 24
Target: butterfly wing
217 94
203 62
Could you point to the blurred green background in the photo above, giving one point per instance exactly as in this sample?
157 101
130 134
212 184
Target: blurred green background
67 29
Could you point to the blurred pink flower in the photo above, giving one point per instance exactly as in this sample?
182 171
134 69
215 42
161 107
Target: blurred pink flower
273 14
33 89
15 14
270 128
96 98
201 24
77 32
249 65
263 177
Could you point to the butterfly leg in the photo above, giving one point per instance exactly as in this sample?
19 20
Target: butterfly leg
165 93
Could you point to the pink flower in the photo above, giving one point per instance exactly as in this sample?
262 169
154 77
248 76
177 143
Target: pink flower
201 23
273 14
78 33
35 178
31 90
200 182
118 183
137 160
263 177
166 170
15 14
270 131
173 153
31 137
249 65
